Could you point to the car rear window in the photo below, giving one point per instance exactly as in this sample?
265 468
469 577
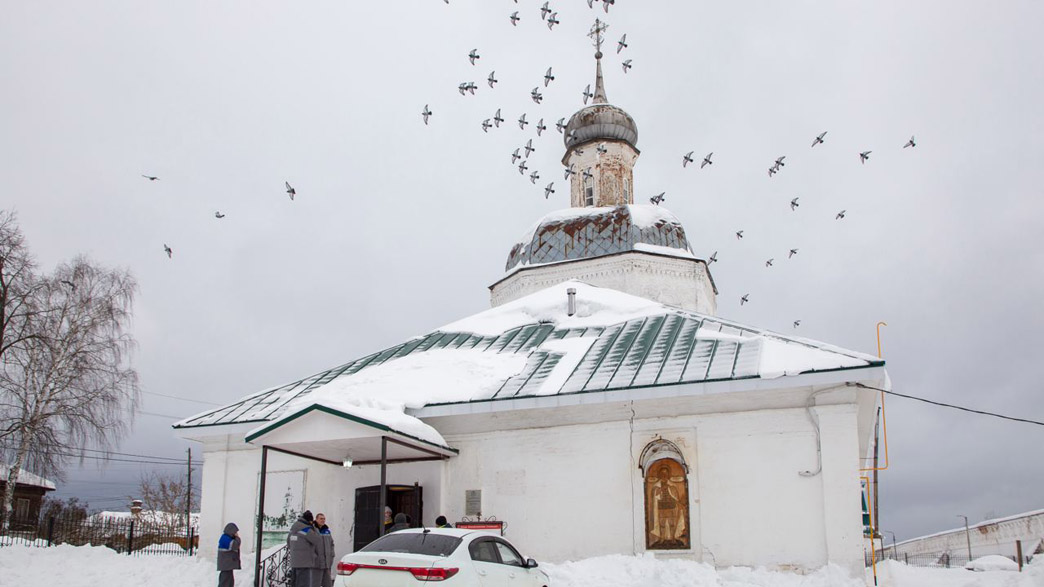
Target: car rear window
414 543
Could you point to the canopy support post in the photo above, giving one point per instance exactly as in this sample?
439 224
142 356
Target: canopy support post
384 484
260 518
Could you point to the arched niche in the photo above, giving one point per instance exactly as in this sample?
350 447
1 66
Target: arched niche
666 489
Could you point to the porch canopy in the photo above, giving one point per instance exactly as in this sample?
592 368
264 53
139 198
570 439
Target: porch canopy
333 435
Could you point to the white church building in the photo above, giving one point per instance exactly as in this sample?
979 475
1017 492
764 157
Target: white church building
598 407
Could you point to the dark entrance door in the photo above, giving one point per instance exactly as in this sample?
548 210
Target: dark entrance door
407 499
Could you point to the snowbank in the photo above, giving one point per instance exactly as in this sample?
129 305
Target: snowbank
993 562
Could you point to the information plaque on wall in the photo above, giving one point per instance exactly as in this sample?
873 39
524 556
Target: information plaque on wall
473 502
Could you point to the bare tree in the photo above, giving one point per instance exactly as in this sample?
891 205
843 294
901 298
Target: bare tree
64 378
163 498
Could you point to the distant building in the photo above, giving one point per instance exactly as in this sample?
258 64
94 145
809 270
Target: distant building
29 492
599 407
995 536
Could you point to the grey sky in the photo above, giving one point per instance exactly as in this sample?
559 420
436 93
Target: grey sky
398 228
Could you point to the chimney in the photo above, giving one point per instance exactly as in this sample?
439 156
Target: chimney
571 293
135 507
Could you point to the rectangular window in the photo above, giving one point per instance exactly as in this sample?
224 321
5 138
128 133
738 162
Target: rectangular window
21 510
589 196
627 190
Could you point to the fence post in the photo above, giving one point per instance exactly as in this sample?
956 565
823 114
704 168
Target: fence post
906 557
50 531
130 538
1018 552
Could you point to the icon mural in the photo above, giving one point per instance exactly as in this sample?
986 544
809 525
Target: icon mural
666 506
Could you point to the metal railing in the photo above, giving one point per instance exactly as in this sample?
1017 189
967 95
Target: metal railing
275 569
131 536
944 560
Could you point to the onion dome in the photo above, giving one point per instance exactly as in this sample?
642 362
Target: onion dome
601 120
586 233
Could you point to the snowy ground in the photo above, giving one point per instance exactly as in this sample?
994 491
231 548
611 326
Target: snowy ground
85 566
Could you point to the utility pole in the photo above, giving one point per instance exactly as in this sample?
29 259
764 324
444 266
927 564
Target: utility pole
967 535
188 504
877 509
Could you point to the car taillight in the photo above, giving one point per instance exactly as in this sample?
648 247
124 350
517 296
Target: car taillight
347 568
433 574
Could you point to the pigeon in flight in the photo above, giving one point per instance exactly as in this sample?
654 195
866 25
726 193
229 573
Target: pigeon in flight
522 122
515 18
218 214
168 251
544 11
626 65
548 78
792 253
794 204
739 234
657 198
71 285
552 20
536 95
840 215
290 191
819 139
466 87
571 170
779 161
769 262
864 156
707 160
560 125
587 93
744 299
492 78
550 189
515 156
497 119
601 149
540 127
529 147
533 177
426 113
150 177
590 3
486 125
713 258
474 56
587 173
772 170
522 169
797 323
622 43
910 143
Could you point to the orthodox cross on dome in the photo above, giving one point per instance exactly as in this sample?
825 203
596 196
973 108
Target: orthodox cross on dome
597 35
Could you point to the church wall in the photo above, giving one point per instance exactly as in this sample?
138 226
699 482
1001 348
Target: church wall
576 491
683 283
230 488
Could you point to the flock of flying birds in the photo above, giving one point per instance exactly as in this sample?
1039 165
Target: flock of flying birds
290 191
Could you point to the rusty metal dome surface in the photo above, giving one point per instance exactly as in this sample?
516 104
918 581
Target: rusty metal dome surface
599 122
584 233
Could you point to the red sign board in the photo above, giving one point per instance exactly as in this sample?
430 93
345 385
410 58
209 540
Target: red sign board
497 526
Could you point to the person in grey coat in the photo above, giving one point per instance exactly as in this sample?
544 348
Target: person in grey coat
328 550
305 548
401 523
228 555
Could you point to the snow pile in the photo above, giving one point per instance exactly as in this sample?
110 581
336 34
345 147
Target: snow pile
780 358
595 306
90 566
896 573
993 562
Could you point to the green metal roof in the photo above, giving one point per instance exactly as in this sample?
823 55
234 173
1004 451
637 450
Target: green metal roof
671 348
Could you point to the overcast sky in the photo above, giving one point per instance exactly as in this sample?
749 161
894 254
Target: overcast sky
399 227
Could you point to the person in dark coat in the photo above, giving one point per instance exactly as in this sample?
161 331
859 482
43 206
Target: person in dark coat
401 523
328 551
228 555
305 548
442 522
388 523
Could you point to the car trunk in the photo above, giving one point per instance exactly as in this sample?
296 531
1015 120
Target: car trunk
389 568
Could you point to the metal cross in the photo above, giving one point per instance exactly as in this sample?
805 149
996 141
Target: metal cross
596 33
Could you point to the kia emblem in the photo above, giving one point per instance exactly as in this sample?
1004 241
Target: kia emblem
383 561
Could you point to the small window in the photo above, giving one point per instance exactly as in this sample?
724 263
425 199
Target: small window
21 510
508 556
484 551
589 196
627 190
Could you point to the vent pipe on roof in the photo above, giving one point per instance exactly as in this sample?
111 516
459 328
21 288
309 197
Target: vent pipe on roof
571 293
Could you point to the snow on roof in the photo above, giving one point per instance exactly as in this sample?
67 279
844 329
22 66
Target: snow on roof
531 347
973 526
26 478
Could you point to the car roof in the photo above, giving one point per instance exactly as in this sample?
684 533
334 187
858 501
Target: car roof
455 532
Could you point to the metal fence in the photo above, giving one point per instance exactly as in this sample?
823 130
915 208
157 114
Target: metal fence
943 560
275 569
132 536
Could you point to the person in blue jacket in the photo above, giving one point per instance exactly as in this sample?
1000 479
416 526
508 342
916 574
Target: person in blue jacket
228 555
305 548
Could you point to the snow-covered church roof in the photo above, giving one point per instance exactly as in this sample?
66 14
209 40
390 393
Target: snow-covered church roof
583 233
531 347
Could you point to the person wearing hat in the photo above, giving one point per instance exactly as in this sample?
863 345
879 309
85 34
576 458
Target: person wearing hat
388 523
442 522
228 555
305 547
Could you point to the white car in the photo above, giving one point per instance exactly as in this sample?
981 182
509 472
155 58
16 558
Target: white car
457 558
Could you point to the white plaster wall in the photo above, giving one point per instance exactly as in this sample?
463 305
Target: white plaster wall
610 172
230 486
679 282
986 538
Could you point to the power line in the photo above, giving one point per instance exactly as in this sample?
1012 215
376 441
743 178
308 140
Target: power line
198 401
928 401
176 460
